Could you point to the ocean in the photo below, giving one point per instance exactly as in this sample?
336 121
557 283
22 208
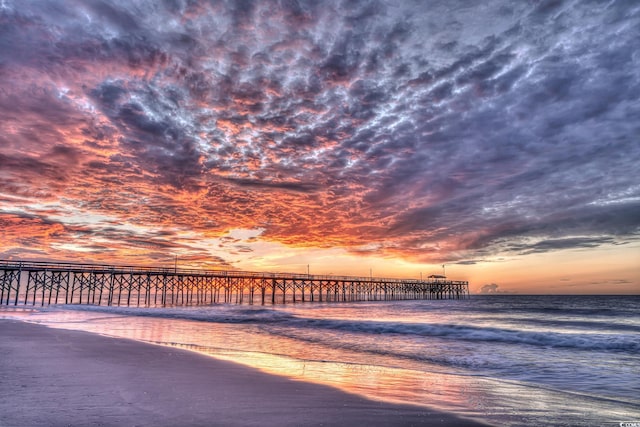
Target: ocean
507 360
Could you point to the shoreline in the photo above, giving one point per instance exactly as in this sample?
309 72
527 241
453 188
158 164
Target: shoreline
58 377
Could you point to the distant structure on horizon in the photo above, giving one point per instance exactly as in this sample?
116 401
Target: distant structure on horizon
23 283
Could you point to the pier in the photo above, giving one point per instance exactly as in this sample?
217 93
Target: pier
42 283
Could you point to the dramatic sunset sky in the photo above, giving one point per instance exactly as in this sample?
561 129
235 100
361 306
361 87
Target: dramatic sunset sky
498 137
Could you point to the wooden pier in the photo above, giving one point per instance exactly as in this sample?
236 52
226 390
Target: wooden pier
40 283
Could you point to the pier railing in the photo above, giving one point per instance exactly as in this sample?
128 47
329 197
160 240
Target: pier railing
44 283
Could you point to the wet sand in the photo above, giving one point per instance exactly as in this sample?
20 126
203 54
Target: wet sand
56 377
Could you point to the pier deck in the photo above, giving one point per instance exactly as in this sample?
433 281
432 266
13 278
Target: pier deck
41 283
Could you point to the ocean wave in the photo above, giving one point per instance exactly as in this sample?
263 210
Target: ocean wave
606 306
582 341
214 314
464 332
557 322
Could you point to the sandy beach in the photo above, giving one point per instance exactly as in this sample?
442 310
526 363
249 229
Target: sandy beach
55 377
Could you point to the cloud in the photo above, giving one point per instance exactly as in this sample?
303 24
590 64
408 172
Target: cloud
491 288
429 132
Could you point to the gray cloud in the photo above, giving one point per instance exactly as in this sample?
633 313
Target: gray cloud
491 288
507 127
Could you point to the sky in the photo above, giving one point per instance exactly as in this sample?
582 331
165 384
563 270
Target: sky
498 139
